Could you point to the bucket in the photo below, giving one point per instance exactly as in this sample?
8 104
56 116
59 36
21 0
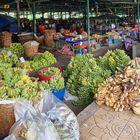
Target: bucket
59 93
31 48
47 78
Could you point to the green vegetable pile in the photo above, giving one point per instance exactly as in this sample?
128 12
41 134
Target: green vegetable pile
84 73
42 60
51 71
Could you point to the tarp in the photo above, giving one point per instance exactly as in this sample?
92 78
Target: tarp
6 20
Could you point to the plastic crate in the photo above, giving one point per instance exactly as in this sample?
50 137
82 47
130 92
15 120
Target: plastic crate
59 93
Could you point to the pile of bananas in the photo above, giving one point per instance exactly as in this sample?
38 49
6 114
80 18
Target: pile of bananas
16 48
42 60
56 83
25 65
5 58
120 90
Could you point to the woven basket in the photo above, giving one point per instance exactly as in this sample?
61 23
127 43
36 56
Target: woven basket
7 118
30 50
49 37
5 39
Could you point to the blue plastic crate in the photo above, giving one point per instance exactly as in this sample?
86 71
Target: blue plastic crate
59 93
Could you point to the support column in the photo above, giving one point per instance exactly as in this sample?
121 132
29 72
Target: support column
34 19
18 16
138 12
88 25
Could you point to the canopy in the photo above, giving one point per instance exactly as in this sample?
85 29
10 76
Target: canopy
6 20
107 16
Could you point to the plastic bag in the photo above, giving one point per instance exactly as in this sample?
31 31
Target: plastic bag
62 117
22 107
69 97
34 127
31 43
12 137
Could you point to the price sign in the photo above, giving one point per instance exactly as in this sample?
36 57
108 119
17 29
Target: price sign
6 6
22 59
9 53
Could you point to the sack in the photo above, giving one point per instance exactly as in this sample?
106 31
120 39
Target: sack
31 48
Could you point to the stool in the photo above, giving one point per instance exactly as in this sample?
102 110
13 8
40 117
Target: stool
78 51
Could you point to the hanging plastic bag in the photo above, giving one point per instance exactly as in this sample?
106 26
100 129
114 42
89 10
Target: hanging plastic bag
62 117
34 127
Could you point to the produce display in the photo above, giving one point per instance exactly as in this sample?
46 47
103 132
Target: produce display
25 65
17 84
113 60
119 90
84 73
56 83
42 60
16 48
6 58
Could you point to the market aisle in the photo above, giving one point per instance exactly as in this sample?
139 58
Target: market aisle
102 123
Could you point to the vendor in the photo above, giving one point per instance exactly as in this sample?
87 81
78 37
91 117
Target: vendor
73 29
41 28
82 32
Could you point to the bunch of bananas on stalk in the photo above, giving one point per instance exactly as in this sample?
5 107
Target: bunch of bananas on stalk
25 65
5 58
55 83
16 48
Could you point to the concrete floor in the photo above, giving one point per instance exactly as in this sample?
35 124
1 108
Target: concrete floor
103 123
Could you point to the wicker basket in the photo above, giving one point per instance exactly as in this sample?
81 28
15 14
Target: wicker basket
5 39
30 50
49 37
7 118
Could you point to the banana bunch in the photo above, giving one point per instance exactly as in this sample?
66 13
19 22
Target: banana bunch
23 81
16 48
42 60
136 108
25 65
5 58
135 63
55 83
119 90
